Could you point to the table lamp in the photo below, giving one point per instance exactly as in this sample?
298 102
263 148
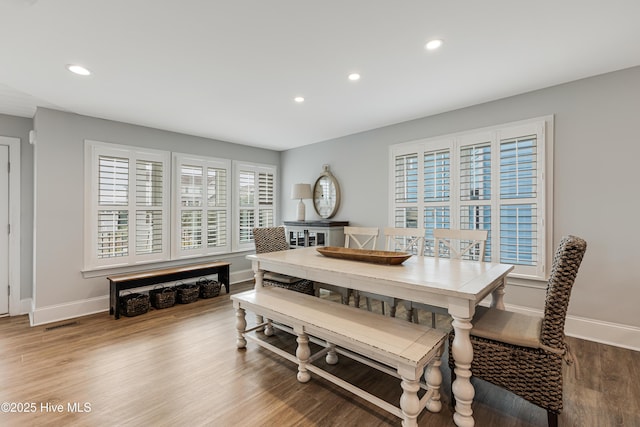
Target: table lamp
301 191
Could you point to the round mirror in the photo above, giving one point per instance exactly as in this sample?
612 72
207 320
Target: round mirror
326 194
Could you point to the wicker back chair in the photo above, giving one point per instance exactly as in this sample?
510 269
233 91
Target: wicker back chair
522 353
272 239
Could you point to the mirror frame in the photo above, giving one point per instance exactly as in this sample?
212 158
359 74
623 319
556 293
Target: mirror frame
326 176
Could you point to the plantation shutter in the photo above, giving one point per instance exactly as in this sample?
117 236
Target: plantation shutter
255 186
518 200
203 206
127 206
488 179
475 190
437 193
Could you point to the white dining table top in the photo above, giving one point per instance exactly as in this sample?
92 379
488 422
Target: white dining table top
422 279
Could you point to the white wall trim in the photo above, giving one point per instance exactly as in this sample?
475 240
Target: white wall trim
615 334
59 312
14 220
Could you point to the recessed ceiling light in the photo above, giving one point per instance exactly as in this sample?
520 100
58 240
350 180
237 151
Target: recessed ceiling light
354 76
298 99
433 44
78 69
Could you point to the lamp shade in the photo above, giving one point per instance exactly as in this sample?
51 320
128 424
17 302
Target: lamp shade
301 191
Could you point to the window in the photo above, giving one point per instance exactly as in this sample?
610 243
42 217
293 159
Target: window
145 206
201 206
128 205
255 204
490 179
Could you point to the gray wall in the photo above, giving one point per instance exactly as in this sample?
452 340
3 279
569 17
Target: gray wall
59 195
596 155
19 127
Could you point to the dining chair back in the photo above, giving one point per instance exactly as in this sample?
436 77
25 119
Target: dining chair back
357 238
456 244
361 237
273 239
396 239
523 353
460 244
404 240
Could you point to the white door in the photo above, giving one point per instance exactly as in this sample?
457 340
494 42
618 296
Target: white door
4 229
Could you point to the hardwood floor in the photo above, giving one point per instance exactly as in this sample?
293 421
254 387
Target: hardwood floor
179 366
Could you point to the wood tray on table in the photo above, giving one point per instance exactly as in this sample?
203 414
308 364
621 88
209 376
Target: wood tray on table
365 255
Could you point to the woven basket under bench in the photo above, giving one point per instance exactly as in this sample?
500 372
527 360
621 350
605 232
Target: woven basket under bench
163 297
187 293
134 304
208 288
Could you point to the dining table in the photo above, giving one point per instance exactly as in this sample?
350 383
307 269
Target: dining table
457 285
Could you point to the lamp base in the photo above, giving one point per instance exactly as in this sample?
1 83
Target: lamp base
301 209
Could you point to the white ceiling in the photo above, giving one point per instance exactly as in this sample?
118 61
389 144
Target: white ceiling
229 70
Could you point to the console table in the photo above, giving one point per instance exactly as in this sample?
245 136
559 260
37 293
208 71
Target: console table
315 233
146 278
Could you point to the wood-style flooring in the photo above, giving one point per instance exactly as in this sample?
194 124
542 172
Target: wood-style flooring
180 367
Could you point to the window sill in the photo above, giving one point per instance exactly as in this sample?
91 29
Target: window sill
525 281
110 271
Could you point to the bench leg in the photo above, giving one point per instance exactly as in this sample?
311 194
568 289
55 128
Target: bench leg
241 326
409 402
303 352
268 329
332 357
433 378
259 321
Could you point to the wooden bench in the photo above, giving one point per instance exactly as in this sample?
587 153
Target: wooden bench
394 346
153 277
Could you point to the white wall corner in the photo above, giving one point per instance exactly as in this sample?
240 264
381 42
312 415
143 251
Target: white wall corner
26 305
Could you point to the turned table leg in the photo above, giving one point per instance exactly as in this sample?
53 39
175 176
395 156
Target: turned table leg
497 297
462 388
241 326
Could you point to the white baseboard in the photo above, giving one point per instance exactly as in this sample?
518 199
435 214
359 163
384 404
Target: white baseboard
59 312
614 334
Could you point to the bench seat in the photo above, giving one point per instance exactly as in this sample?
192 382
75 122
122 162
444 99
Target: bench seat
151 277
389 342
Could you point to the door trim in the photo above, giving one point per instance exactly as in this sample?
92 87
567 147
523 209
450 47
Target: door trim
14 220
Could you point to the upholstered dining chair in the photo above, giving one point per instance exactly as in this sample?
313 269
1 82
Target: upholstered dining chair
523 353
455 244
354 237
272 239
397 239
